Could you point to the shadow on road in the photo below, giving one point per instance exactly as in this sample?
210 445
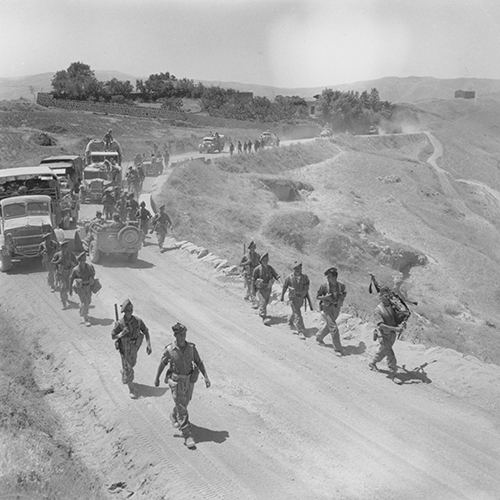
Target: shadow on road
352 350
149 391
310 332
203 435
100 321
138 264
276 320
415 376
29 266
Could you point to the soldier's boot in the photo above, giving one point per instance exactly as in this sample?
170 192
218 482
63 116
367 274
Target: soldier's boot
373 366
301 335
131 393
189 442
87 321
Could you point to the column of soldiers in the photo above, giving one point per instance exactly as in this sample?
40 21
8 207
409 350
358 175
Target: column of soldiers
259 276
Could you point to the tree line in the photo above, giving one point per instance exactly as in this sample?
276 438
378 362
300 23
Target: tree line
339 109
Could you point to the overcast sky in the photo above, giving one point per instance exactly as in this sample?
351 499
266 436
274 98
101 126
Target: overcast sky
288 43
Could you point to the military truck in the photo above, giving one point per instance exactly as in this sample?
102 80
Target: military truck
22 181
212 144
69 166
267 138
23 222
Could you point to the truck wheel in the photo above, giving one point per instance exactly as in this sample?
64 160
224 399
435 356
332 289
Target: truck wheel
132 257
5 263
94 252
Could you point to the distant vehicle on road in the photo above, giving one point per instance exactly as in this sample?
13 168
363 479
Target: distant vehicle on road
212 144
268 138
23 222
153 167
326 132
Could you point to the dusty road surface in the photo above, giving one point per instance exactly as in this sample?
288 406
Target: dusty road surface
284 418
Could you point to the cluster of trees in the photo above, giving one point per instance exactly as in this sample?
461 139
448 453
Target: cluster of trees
342 110
352 110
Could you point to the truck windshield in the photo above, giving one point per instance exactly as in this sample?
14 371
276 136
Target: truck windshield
101 158
94 174
14 210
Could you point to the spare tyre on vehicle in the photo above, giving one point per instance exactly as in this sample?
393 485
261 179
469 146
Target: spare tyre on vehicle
129 236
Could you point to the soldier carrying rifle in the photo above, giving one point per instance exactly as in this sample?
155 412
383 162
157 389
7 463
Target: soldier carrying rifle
391 315
128 334
297 285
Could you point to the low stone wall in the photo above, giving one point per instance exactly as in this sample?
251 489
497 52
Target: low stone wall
112 108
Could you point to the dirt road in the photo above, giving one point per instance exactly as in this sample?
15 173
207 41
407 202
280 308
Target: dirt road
284 417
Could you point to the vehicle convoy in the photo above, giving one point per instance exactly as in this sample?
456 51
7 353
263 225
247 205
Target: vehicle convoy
38 180
23 222
103 239
212 144
268 138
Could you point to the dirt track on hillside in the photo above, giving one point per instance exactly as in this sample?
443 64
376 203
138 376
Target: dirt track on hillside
283 419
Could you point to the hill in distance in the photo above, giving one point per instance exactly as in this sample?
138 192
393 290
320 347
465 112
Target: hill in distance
410 89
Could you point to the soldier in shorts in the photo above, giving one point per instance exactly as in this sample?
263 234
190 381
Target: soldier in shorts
185 364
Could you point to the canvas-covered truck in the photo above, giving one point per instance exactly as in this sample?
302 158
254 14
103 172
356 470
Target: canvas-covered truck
71 165
97 151
212 144
37 180
23 222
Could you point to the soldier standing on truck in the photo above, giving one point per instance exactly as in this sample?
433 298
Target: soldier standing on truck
161 222
82 276
108 138
48 248
64 261
240 147
185 366
128 334
297 285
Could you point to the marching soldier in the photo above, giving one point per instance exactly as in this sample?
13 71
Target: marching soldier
185 365
262 284
388 328
248 263
48 249
65 261
128 334
161 222
108 202
83 276
297 285
331 296
132 207
143 214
